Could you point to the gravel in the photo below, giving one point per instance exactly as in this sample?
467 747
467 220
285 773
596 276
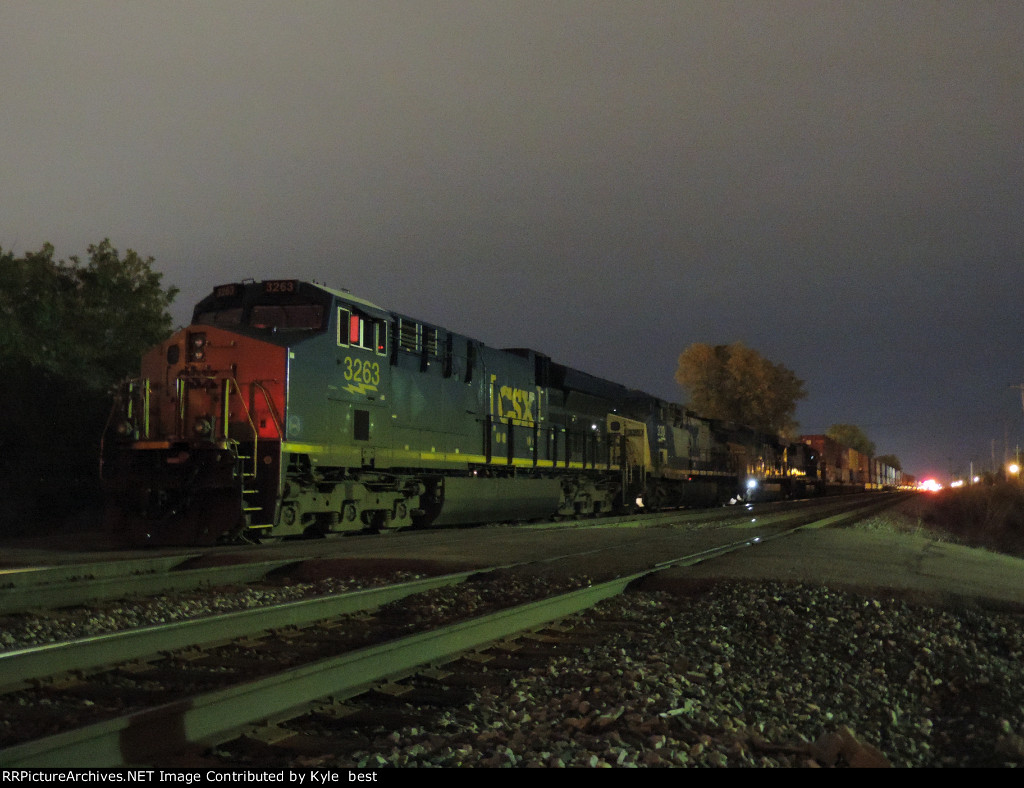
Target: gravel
746 674
24 630
104 694
759 674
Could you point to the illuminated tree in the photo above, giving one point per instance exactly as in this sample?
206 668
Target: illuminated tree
735 383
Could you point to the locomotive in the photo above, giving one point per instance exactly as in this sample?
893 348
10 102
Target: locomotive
287 408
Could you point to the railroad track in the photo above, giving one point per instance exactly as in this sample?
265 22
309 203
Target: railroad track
39 588
36 587
198 697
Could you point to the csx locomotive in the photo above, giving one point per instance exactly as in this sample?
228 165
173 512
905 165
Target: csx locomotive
288 408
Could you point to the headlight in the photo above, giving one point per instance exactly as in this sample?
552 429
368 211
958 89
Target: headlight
197 346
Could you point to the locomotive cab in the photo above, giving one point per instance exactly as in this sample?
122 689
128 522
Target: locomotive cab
264 418
192 454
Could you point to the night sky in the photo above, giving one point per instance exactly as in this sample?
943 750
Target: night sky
838 185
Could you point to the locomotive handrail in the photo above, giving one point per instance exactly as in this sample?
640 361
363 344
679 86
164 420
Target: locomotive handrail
126 393
270 408
252 424
248 417
227 412
144 384
137 388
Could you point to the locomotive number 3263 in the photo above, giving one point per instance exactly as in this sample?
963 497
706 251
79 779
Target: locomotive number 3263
360 371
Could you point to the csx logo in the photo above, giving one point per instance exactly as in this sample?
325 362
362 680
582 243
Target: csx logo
517 404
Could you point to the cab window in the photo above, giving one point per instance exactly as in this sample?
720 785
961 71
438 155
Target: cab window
360 331
221 317
284 316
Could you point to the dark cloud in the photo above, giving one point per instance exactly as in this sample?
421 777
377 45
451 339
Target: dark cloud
838 185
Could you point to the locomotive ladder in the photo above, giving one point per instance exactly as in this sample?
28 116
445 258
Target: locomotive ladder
248 476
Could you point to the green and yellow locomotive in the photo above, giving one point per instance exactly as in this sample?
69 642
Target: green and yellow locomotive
287 408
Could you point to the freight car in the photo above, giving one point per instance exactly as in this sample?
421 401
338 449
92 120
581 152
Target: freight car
288 408
844 470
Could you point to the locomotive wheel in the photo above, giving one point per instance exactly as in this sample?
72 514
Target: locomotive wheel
376 520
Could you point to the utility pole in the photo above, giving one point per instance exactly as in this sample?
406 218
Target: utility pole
1016 465
1021 387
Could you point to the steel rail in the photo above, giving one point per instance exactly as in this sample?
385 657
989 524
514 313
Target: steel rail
723 513
34 588
62 573
20 666
145 737
84 583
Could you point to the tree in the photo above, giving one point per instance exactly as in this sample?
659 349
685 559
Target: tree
83 323
852 437
891 460
68 332
735 383
32 292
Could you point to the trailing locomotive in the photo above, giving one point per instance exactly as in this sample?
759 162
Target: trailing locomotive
287 408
